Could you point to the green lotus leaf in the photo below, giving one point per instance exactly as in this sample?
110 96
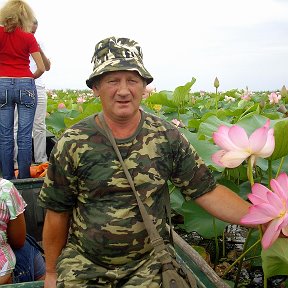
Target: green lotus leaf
275 258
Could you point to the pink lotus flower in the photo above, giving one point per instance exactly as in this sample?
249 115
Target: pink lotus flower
247 96
178 123
237 146
80 100
274 98
148 91
269 207
202 93
61 106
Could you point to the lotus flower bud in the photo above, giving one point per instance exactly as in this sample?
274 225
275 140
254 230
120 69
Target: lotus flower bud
80 109
282 109
262 104
284 92
216 83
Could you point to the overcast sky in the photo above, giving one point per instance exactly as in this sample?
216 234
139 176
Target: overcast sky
242 42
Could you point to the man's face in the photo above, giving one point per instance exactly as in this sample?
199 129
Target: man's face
120 93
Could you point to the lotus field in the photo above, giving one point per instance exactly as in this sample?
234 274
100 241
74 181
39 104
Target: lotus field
243 137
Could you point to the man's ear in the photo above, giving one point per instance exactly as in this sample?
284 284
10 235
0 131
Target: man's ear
95 91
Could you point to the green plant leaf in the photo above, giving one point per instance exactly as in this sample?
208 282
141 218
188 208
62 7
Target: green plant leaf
180 94
202 251
211 125
56 121
255 253
204 148
275 258
160 98
252 122
90 109
177 200
281 139
230 184
197 219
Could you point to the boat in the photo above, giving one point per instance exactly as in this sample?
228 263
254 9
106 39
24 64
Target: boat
29 188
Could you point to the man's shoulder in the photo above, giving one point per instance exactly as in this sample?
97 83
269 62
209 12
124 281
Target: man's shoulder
81 130
156 120
156 124
85 123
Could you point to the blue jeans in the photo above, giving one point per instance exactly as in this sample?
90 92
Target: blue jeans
21 92
30 264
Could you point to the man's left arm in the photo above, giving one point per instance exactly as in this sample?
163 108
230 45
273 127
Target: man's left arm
224 204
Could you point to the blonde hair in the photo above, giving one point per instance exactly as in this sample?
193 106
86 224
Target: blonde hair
16 13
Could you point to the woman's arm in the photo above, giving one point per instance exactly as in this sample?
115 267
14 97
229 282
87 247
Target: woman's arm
39 63
16 232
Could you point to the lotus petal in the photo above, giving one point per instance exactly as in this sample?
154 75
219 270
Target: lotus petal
271 234
222 139
259 194
276 202
258 214
280 185
285 230
216 157
258 138
238 137
269 146
232 159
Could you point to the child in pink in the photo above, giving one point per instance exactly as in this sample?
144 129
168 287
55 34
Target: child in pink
11 206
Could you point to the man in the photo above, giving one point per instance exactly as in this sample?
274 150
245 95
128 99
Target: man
39 124
93 228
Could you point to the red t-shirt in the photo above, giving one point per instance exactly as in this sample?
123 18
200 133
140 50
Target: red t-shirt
15 49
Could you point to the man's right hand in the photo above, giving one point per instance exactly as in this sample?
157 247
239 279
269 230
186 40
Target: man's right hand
50 280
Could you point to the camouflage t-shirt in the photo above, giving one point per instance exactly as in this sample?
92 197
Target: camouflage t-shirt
86 178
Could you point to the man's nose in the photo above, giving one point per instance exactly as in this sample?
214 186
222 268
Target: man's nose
123 88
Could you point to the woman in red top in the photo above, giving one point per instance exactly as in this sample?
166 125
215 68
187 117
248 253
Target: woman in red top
17 85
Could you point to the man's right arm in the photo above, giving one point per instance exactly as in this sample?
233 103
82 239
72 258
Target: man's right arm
39 63
46 61
55 233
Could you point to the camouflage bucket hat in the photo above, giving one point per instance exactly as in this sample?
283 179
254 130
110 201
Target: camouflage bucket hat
117 54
